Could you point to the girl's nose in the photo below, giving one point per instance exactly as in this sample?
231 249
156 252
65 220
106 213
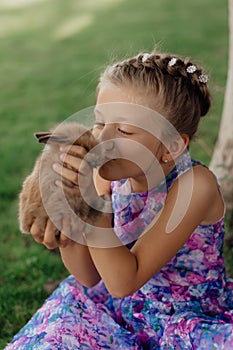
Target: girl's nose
107 133
107 138
109 145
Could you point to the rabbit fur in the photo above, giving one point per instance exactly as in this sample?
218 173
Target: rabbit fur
41 199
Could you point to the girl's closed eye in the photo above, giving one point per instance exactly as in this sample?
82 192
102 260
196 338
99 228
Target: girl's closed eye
124 132
126 129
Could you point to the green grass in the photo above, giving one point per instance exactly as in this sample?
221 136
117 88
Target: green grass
46 76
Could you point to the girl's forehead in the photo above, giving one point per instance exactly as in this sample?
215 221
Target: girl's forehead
120 112
134 115
129 105
124 104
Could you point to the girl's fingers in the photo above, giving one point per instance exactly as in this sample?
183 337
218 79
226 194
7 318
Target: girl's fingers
68 174
69 189
64 241
36 233
74 150
78 164
73 165
71 175
71 161
50 236
76 184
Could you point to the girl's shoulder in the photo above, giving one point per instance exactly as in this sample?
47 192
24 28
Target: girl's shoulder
203 176
194 169
204 182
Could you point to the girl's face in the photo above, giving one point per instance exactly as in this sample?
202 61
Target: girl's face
140 153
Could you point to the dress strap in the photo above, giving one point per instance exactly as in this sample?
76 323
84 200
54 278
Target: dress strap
184 163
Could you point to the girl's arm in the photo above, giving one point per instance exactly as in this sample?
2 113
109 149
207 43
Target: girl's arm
76 257
125 271
78 262
190 202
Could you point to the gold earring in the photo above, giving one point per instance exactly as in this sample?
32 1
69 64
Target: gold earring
165 161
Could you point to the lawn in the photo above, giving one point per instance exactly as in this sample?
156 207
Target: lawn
52 53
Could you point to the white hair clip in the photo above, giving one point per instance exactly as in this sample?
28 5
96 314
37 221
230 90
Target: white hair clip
145 57
203 78
191 69
172 62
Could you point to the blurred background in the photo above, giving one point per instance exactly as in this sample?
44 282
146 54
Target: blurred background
51 55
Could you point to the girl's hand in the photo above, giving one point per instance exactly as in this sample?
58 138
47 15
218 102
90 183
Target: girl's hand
72 157
78 180
75 171
50 237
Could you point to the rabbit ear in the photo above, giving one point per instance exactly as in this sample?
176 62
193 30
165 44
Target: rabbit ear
48 137
43 137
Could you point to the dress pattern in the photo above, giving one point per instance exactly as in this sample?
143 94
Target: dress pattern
187 305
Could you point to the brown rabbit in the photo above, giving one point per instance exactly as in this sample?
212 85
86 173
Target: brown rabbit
41 199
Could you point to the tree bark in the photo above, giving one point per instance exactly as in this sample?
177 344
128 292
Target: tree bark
222 158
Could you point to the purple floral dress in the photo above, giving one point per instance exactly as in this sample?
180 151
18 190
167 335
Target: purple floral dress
187 305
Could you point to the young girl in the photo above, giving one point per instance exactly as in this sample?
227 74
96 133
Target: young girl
155 278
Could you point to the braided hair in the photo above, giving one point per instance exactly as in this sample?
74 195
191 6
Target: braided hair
178 88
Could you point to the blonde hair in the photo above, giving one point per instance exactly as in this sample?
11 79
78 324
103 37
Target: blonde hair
182 97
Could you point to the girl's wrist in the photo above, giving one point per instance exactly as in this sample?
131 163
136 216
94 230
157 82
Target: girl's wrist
101 234
104 221
100 214
97 221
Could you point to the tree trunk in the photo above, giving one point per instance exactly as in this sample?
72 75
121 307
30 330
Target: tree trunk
222 159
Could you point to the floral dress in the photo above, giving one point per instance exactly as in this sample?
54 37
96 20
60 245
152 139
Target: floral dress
188 304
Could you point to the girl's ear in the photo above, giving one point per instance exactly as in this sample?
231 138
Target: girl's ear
177 147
